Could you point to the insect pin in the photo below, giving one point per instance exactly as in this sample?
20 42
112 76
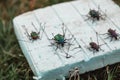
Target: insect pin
59 40
74 74
95 15
95 47
34 35
112 34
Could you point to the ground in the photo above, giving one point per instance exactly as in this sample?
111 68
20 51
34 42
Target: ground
13 65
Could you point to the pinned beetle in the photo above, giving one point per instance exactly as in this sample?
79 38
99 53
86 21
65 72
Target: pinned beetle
34 35
112 34
95 15
59 40
95 47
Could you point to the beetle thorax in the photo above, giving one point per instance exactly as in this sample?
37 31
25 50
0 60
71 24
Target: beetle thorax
59 38
34 35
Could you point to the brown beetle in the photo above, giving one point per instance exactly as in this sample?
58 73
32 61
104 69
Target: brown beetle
112 34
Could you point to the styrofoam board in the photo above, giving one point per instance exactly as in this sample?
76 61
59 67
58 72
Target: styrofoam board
47 63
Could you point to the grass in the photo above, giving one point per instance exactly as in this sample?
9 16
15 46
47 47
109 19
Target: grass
13 65
117 1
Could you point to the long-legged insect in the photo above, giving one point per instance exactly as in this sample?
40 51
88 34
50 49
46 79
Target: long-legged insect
34 35
95 47
95 15
60 41
112 34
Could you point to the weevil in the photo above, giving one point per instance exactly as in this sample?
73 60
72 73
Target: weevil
95 15
34 35
95 47
112 34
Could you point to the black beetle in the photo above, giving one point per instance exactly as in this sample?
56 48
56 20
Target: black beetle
95 15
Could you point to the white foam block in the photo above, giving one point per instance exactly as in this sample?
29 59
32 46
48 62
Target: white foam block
48 63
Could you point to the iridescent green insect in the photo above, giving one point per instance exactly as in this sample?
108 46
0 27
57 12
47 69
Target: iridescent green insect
60 41
34 35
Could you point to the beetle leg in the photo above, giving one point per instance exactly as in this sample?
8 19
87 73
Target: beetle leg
94 51
111 38
68 56
90 48
103 34
41 33
64 30
93 20
57 47
103 18
101 49
69 45
69 39
76 47
88 17
107 37
53 34
27 34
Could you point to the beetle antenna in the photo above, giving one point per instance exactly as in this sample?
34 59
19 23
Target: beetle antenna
91 39
89 6
83 41
26 30
98 8
67 55
64 30
41 28
105 13
53 34
97 38
34 26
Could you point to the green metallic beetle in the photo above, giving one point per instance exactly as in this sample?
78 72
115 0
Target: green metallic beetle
60 41
33 35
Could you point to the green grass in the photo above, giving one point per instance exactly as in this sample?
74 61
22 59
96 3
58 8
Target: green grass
13 65
117 1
